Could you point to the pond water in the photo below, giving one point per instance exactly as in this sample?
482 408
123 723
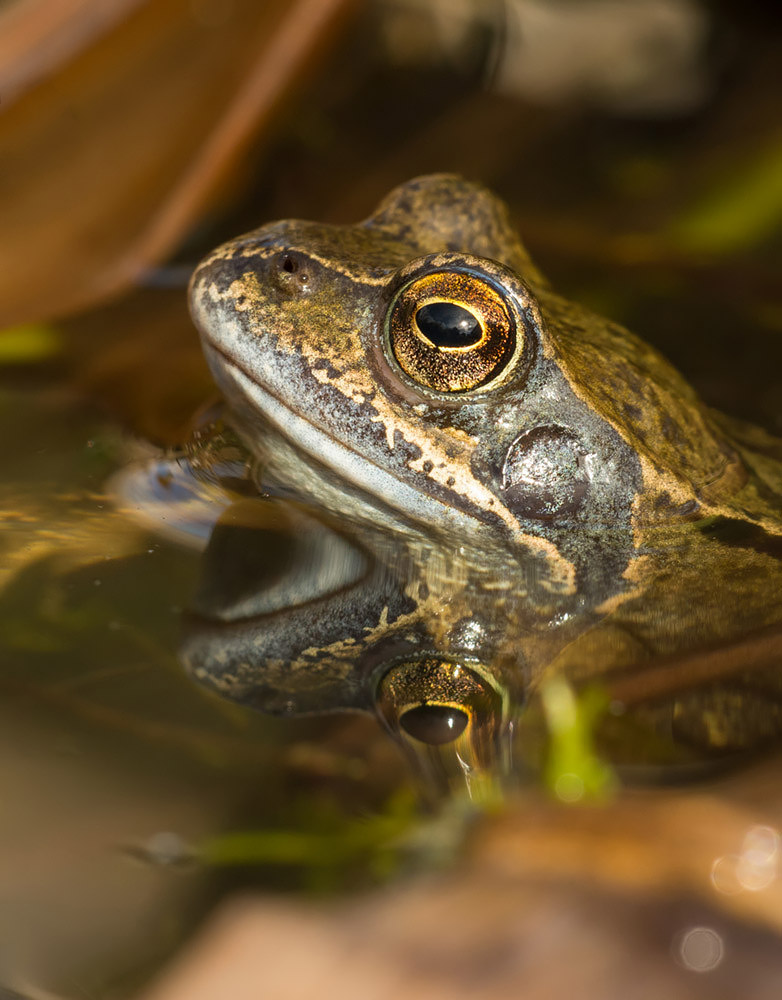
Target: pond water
116 767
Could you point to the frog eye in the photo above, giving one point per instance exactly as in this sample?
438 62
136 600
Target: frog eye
452 331
435 703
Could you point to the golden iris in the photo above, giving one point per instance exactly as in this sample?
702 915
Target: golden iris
451 331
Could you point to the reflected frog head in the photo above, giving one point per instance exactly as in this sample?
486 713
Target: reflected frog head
526 487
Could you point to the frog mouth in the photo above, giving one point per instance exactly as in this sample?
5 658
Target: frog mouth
348 465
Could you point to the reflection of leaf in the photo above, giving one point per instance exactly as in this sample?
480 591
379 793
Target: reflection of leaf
335 843
107 671
36 615
103 658
743 211
755 652
112 140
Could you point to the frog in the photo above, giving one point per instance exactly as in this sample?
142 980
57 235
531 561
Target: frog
489 486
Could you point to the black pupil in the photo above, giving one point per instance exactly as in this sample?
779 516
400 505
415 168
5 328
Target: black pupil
434 724
445 324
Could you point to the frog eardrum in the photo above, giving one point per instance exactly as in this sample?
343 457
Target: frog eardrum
452 331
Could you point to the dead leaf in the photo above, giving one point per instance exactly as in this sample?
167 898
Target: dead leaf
117 132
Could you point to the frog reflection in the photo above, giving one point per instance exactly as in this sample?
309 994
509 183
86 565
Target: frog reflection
311 617
507 486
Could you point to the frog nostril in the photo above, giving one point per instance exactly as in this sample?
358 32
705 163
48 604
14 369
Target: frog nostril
291 273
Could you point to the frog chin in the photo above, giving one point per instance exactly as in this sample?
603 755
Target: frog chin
311 446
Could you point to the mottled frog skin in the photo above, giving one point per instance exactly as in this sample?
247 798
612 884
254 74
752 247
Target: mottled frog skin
506 485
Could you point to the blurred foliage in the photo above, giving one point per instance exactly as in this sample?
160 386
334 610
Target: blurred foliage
573 771
28 344
740 212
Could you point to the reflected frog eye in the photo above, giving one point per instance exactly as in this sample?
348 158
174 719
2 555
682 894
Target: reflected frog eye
451 331
437 702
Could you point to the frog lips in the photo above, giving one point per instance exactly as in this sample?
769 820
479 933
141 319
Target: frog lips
350 465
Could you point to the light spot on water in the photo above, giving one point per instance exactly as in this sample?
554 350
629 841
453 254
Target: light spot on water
569 788
759 858
165 848
723 875
754 868
700 949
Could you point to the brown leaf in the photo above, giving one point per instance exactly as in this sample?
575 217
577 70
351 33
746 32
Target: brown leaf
121 123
